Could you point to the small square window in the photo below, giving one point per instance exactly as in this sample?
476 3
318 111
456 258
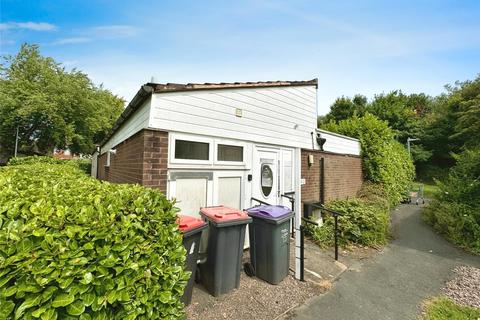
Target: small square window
191 150
230 153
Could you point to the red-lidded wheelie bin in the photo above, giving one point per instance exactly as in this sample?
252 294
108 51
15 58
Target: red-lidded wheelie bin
226 236
191 228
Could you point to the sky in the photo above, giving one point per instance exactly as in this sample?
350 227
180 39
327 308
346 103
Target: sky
363 46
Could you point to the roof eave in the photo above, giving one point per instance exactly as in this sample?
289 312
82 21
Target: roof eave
142 94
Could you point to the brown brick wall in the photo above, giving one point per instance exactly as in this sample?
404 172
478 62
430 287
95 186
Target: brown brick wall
343 175
142 159
155 159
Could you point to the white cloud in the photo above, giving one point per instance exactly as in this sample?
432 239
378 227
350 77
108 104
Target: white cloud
100 32
35 26
73 40
115 31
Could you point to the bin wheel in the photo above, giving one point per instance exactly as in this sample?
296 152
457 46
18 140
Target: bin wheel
249 269
198 275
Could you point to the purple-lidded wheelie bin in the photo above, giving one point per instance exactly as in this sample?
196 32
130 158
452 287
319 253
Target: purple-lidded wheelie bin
191 229
270 241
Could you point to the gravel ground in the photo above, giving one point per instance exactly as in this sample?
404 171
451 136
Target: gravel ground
254 299
464 289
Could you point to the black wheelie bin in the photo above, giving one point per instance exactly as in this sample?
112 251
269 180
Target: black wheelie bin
270 242
191 228
220 273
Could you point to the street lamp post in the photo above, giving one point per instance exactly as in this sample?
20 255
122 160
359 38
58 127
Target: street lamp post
16 143
408 144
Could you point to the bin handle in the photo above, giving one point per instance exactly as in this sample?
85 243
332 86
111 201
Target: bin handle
225 214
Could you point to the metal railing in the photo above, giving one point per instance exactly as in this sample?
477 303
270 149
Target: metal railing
291 197
335 215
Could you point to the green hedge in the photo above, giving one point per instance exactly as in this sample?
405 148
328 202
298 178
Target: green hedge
73 247
385 161
34 160
365 219
83 164
455 211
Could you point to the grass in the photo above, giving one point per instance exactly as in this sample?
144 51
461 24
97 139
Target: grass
444 308
429 188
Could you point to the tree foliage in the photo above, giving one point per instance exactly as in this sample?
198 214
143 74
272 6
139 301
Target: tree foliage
51 107
445 124
405 115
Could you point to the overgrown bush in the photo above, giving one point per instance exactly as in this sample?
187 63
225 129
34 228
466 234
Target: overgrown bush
83 164
364 220
385 161
35 159
73 247
455 211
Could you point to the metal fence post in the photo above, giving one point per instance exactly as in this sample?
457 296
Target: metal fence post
336 237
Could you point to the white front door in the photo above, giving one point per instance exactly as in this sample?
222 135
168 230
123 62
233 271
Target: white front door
266 175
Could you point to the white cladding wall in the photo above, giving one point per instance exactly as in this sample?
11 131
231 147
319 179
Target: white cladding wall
280 115
137 121
340 144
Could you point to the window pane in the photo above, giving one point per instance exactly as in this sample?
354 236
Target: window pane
287 171
230 153
191 150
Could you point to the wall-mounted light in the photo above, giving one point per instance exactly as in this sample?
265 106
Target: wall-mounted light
321 141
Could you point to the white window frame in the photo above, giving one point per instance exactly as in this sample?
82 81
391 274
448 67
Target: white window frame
186 137
229 143
283 151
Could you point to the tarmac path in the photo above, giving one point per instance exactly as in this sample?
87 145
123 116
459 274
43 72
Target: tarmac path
392 285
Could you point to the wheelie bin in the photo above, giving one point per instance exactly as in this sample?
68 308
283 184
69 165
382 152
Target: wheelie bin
191 228
270 242
220 273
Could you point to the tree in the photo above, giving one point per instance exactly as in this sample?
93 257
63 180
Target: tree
465 100
50 106
344 108
405 114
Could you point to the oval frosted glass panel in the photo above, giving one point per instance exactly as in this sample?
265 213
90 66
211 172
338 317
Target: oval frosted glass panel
266 180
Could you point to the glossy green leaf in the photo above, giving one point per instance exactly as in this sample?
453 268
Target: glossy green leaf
30 301
6 307
62 300
76 308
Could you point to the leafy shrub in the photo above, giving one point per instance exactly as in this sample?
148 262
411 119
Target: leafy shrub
83 164
364 220
455 211
72 246
374 194
385 161
33 160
